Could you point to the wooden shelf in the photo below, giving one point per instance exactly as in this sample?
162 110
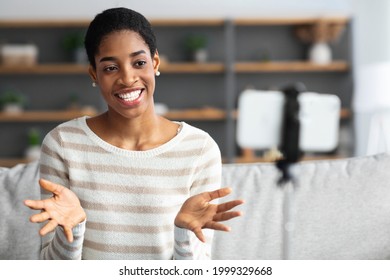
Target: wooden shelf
183 67
44 116
290 20
204 114
38 23
69 68
52 68
289 66
35 23
187 22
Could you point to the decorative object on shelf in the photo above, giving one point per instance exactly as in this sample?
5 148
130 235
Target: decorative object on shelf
73 43
272 154
265 55
12 101
74 102
33 150
18 54
320 53
196 47
320 35
161 108
89 110
164 60
76 106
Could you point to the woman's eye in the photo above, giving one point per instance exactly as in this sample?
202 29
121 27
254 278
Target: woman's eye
140 63
110 68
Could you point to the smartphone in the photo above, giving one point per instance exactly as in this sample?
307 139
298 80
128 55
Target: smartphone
260 115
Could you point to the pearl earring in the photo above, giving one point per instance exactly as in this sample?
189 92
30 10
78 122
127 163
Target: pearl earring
158 73
93 84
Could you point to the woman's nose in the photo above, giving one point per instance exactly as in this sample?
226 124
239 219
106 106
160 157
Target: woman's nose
127 76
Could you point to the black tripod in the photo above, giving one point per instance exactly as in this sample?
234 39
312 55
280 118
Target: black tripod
291 154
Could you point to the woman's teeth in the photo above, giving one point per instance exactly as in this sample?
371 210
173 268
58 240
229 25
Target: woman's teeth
129 96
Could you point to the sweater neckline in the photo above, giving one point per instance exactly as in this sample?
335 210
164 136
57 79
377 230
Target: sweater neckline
82 121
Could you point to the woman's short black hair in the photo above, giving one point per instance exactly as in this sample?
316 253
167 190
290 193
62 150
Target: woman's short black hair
117 19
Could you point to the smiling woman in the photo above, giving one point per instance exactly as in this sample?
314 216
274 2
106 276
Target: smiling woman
128 184
125 72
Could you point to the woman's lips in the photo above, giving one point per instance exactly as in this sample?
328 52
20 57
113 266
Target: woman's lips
129 96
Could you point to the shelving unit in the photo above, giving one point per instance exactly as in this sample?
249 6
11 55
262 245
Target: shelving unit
215 84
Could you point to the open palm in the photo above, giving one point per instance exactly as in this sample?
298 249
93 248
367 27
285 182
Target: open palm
197 212
63 209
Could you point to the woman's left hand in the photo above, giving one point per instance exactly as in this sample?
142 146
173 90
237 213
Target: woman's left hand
197 212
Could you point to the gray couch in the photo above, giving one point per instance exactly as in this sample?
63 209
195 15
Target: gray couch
19 239
340 210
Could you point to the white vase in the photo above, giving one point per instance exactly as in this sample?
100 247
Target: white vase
320 53
33 153
13 108
201 55
80 56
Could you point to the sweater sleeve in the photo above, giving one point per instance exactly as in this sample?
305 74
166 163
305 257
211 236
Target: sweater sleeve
53 168
207 178
58 247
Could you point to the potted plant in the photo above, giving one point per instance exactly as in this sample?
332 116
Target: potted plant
74 101
12 101
320 35
196 46
73 43
33 150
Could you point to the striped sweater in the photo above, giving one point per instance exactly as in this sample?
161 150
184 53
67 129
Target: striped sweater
131 198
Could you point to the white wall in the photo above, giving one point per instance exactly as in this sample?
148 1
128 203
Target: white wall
372 31
372 69
12 9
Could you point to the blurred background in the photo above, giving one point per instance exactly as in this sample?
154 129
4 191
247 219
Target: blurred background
211 52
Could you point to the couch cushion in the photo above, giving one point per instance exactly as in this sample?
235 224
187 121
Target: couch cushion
340 210
19 239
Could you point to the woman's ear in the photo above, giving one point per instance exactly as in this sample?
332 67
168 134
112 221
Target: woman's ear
156 62
92 73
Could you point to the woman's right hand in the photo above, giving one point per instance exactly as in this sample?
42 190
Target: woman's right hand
63 209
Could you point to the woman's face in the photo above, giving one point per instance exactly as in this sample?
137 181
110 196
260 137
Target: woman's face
125 73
